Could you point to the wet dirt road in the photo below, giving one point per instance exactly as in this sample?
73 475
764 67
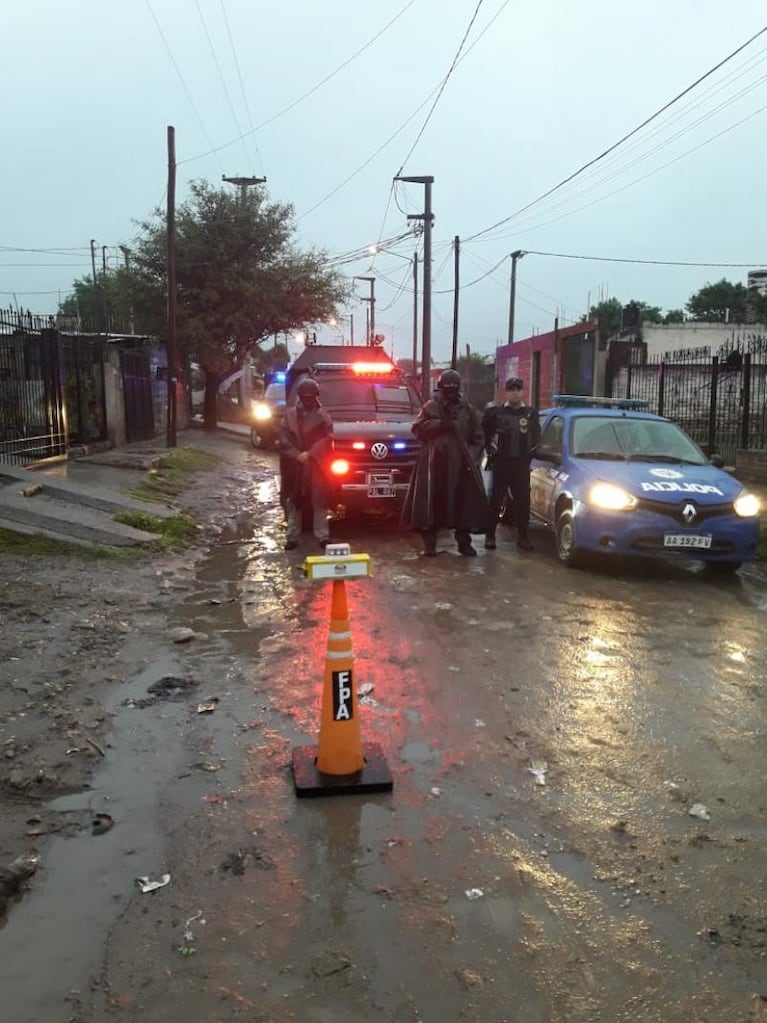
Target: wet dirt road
472 891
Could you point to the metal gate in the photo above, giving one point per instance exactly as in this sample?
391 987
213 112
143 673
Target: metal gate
719 400
33 422
84 376
137 390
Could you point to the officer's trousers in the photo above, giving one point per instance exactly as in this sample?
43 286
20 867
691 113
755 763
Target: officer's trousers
514 478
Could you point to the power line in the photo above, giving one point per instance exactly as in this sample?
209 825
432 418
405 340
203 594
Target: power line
181 79
632 163
650 262
401 128
309 92
221 78
642 177
242 86
442 86
620 141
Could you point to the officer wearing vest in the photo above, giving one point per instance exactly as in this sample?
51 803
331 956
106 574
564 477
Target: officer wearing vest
511 432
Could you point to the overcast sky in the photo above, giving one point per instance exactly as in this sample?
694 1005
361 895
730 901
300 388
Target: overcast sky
89 89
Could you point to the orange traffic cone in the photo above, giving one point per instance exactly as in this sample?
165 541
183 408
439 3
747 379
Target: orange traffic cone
339 765
340 748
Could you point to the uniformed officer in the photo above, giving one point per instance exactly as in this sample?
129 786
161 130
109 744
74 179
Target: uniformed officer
511 432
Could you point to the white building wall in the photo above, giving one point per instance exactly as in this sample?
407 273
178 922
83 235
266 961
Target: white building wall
673 337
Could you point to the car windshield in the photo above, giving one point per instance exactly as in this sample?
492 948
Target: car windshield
633 440
275 392
354 400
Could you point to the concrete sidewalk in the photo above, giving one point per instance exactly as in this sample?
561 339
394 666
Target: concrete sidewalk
50 501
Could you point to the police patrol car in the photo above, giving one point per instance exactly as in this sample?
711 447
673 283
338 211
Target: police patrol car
610 478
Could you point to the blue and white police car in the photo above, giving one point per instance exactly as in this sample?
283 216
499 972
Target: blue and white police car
609 478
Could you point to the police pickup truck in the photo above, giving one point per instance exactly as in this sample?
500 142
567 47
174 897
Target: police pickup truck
373 406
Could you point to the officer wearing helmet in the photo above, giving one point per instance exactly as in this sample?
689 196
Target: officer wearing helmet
511 432
446 489
304 444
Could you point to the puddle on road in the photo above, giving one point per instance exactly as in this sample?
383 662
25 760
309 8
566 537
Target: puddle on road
56 934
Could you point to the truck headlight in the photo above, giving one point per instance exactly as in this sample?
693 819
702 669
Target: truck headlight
261 412
746 505
611 497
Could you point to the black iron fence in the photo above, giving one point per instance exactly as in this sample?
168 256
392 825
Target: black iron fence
51 388
719 399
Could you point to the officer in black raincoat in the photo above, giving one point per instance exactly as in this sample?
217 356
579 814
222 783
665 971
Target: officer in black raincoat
446 489
305 442
511 432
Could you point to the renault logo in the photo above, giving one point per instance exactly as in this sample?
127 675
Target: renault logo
689 512
379 451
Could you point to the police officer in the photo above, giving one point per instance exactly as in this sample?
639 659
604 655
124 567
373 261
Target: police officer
304 443
446 490
511 432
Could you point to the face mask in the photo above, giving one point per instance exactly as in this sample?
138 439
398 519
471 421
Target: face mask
308 402
452 394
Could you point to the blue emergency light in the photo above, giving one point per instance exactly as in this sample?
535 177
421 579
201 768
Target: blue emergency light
399 445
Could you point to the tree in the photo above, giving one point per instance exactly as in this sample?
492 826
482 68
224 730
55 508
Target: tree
240 277
107 305
725 302
609 313
478 375
674 316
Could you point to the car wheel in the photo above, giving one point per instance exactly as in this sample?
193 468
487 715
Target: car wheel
255 438
567 545
723 568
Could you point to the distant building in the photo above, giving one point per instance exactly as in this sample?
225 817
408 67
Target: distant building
758 279
568 360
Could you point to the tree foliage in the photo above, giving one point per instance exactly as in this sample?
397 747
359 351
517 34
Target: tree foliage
725 302
241 278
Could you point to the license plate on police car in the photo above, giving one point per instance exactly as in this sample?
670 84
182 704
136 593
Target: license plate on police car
687 540
380 484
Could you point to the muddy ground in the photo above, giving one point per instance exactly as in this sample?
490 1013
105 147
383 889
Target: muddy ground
576 832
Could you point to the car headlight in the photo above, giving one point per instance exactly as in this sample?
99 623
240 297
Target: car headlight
611 497
746 505
261 412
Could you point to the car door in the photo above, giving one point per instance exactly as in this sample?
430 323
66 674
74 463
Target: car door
544 473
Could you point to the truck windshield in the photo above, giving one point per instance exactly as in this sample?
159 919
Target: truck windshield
354 400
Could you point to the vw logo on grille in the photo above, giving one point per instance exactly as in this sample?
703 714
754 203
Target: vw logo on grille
689 513
379 451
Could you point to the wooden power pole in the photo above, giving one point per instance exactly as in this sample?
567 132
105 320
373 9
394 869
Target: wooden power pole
172 354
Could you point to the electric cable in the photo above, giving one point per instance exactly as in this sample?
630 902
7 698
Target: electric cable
182 80
309 92
623 139
242 87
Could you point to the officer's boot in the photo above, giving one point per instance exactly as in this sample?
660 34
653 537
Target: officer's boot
463 539
523 540
490 540
429 543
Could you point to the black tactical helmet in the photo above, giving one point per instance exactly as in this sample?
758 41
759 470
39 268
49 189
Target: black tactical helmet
308 388
450 378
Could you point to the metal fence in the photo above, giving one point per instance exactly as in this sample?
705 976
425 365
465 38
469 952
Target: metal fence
51 388
719 399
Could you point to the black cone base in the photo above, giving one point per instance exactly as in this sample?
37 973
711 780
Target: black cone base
374 776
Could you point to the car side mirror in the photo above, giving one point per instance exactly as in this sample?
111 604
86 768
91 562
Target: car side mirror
717 461
546 453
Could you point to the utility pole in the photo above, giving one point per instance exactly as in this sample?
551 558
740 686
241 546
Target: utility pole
243 183
427 217
171 273
372 300
95 280
351 328
456 289
415 314
126 256
104 301
515 256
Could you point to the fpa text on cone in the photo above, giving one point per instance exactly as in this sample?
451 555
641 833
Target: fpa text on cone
339 764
